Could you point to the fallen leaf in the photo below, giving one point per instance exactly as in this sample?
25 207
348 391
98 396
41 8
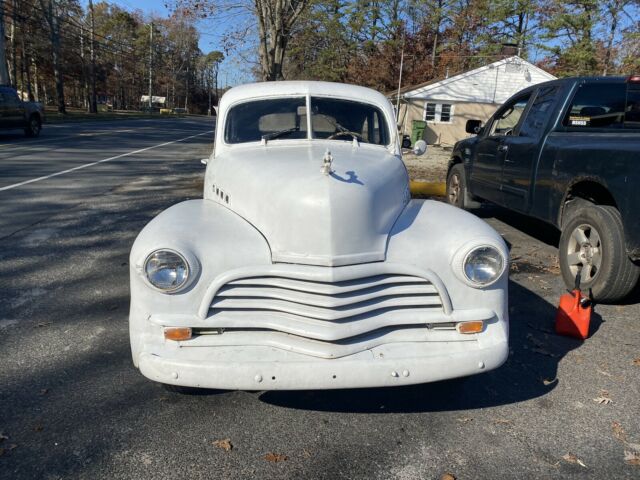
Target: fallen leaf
537 342
571 458
631 457
275 457
44 391
224 444
43 324
306 453
542 351
546 381
602 372
3 437
603 399
501 421
636 362
38 428
447 476
618 432
2 451
465 419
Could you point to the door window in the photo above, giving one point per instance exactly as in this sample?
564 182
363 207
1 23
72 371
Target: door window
538 114
597 105
632 111
509 116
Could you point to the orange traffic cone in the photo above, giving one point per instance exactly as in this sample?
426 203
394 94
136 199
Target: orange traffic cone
574 313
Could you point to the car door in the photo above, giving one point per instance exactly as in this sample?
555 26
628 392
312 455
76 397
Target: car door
521 149
11 108
486 173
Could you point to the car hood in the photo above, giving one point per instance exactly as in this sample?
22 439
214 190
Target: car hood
307 216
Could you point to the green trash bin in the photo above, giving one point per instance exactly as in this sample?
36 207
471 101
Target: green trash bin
417 130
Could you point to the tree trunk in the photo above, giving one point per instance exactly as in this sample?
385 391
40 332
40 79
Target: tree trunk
12 39
4 71
93 103
614 11
54 35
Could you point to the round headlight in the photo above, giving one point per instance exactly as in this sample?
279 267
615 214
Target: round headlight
166 270
483 265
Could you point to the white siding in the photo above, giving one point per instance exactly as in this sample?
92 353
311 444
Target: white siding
493 83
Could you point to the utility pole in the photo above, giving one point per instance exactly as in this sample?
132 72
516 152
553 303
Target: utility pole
400 81
150 67
93 104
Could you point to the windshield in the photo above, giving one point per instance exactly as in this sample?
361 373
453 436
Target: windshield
337 119
286 119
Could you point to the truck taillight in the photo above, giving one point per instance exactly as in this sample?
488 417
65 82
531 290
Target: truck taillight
634 79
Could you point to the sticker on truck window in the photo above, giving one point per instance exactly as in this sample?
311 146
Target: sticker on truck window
579 121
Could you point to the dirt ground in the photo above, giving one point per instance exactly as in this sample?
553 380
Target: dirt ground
430 167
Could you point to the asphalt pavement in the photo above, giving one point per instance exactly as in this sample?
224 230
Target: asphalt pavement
73 406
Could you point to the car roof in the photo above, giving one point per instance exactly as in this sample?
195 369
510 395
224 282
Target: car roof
301 87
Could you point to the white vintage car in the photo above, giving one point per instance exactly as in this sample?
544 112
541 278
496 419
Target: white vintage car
307 265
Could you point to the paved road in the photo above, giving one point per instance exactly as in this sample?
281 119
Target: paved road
74 407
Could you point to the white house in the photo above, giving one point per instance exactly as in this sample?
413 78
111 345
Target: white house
445 104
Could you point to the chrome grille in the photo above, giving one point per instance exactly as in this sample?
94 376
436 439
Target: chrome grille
308 304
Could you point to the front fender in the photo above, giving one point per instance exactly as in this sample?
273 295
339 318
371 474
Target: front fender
432 235
212 235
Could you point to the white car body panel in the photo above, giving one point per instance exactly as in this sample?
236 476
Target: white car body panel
303 279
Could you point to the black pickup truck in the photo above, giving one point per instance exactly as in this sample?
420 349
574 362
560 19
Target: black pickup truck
566 152
14 113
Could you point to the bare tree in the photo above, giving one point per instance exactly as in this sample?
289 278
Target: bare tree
51 14
275 20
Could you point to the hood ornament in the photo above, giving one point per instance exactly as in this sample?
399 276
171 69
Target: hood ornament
326 163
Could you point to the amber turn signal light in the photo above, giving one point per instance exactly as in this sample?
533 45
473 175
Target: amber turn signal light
470 327
177 334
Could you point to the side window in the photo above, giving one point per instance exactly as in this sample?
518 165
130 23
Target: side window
430 112
632 112
538 114
597 105
509 116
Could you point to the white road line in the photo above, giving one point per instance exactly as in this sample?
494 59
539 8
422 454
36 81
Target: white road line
80 167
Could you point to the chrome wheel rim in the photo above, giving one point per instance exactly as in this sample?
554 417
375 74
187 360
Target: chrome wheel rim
584 252
454 189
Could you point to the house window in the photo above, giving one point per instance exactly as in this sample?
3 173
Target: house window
438 112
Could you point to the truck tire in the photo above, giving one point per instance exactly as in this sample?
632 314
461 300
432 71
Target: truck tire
33 127
592 240
457 192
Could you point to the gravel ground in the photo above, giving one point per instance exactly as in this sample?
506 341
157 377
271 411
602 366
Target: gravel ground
430 167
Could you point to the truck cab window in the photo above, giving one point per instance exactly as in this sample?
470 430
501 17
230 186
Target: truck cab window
509 116
632 110
597 105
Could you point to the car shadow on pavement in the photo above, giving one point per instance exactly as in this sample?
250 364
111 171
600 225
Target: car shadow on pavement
529 373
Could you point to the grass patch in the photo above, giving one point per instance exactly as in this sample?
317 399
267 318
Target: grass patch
80 115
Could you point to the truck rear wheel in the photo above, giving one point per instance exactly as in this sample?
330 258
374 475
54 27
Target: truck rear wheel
457 192
592 242
33 127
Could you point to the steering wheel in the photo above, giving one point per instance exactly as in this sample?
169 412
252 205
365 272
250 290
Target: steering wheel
344 132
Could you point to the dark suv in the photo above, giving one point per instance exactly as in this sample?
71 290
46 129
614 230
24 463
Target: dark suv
566 152
14 113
